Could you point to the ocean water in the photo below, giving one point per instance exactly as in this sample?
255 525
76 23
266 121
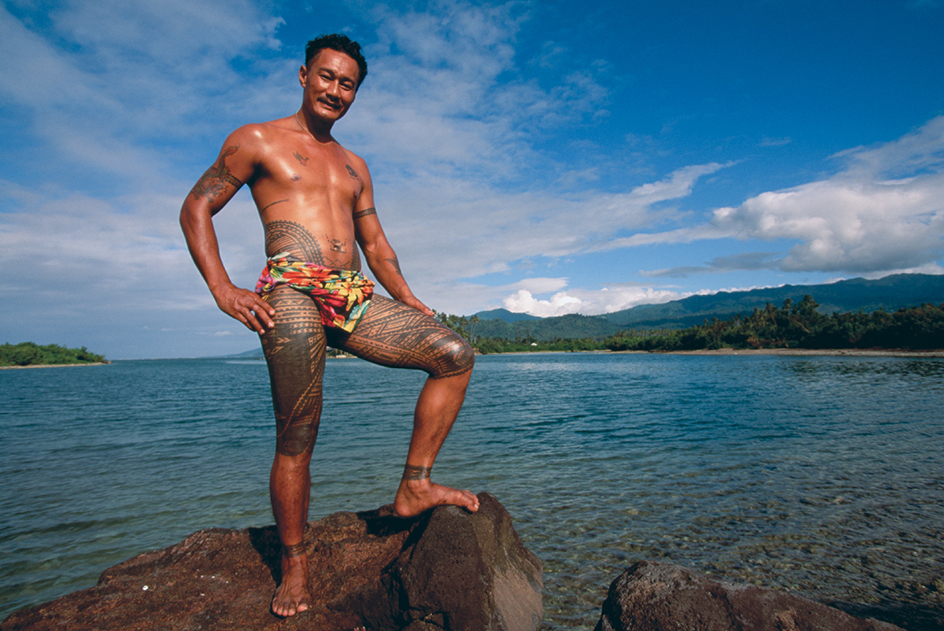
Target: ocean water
823 476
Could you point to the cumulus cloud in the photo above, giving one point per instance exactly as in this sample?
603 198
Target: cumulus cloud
588 301
882 212
559 304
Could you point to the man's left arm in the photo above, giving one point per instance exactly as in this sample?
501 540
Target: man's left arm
379 254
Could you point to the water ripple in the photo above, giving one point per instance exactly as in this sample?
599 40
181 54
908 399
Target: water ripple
822 476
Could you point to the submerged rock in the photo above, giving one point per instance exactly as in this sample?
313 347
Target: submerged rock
653 596
448 569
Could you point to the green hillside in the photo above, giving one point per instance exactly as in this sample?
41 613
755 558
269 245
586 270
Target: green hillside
32 354
571 326
887 294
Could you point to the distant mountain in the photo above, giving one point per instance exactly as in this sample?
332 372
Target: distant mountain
889 293
255 353
571 326
505 315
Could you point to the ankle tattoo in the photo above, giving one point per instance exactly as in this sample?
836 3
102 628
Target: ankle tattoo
414 472
294 550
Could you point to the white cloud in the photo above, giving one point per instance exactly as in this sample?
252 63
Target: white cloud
858 220
560 303
588 301
445 98
883 212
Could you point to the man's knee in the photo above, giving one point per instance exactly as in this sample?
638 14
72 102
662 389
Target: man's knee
455 358
296 436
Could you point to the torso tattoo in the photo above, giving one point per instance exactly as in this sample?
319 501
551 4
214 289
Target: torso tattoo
337 245
289 236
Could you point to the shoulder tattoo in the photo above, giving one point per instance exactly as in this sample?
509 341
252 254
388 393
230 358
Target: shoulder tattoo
217 178
351 172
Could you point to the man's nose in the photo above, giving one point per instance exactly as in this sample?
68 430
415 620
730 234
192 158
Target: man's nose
334 89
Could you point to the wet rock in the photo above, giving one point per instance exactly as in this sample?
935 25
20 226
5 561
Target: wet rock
446 570
652 596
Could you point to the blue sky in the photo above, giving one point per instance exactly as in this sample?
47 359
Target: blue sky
550 157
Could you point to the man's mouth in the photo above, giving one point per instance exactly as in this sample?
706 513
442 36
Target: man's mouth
330 104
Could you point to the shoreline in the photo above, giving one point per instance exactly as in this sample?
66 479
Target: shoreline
786 352
804 352
54 365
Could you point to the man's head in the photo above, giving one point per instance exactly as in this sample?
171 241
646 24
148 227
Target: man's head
342 44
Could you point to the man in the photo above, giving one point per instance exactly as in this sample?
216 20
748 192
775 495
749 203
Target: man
315 200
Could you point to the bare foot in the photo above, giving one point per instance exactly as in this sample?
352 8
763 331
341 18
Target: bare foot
417 496
292 596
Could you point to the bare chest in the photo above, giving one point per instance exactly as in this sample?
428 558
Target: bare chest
308 175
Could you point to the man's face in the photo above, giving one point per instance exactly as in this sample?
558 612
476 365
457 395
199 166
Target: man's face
330 82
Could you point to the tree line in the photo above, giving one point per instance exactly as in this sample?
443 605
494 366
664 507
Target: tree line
32 354
794 325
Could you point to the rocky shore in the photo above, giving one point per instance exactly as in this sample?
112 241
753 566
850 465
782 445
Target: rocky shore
446 570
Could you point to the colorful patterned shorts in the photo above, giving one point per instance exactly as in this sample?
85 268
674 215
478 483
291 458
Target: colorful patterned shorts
342 296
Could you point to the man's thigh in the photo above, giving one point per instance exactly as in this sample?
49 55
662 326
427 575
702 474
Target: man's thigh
295 353
394 334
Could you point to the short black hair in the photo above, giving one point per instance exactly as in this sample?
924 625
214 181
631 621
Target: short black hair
340 43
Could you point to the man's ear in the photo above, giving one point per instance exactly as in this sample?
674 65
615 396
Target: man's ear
303 75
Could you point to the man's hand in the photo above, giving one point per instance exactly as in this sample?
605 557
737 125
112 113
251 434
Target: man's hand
247 307
414 302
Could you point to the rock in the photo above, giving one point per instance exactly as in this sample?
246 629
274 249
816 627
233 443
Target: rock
471 574
652 596
447 569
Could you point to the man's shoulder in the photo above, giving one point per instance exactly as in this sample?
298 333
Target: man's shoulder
353 157
263 131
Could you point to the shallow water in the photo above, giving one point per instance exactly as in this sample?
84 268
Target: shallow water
819 475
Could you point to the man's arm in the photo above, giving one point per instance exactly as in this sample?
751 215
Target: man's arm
378 252
209 195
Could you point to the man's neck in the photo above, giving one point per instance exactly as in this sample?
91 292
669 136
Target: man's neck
319 130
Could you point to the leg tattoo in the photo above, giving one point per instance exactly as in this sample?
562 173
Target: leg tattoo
294 550
392 334
295 350
416 472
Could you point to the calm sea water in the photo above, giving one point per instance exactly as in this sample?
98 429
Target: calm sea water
819 475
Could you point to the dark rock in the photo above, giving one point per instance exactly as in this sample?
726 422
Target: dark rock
651 596
474 573
446 570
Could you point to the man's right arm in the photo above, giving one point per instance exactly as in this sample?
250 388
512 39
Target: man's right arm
234 166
